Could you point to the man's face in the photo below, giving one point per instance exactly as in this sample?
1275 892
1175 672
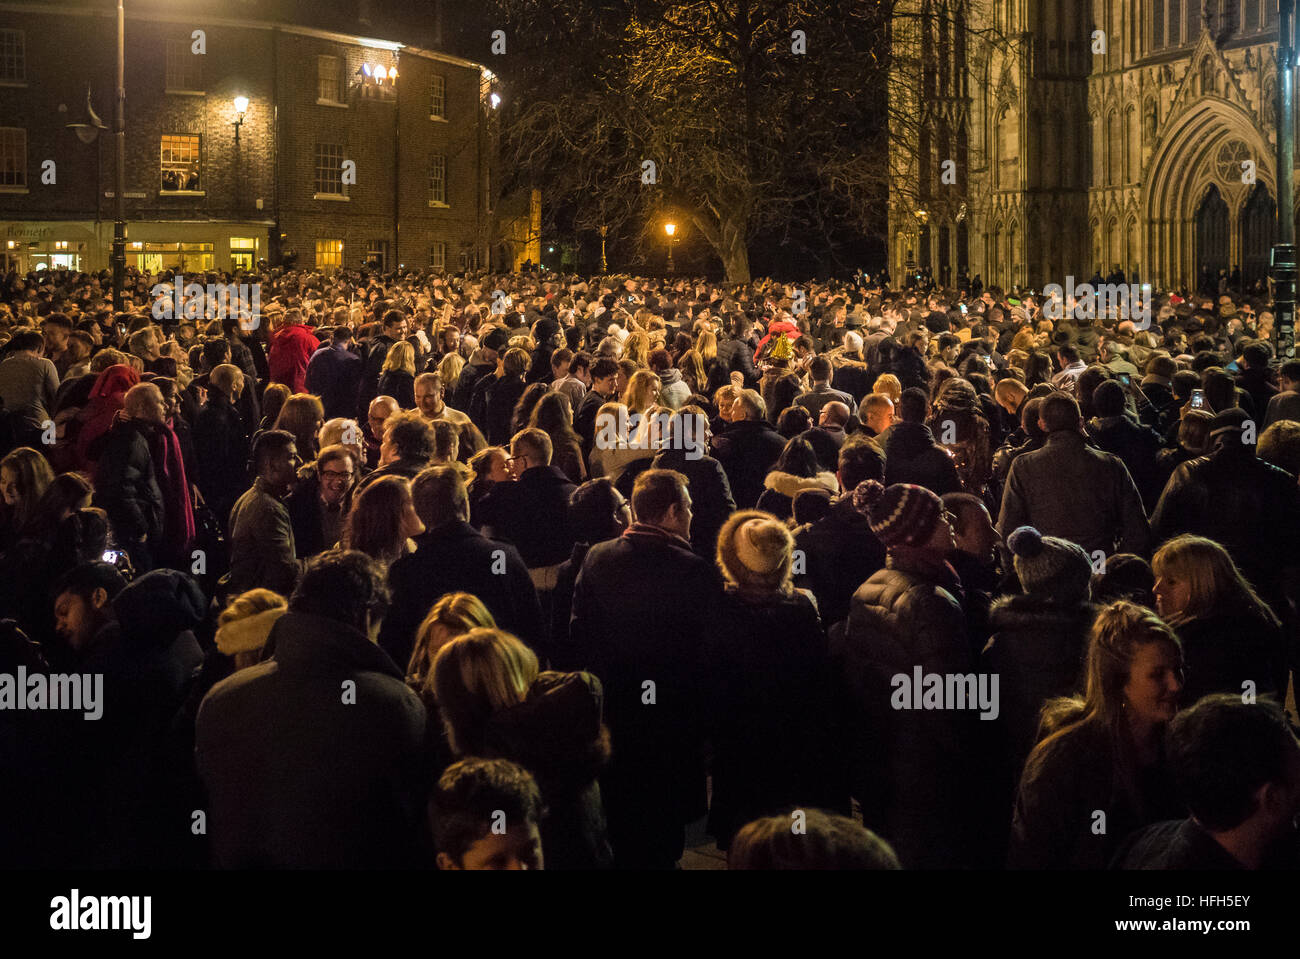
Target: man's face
336 479
428 397
282 465
518 848
377 416
520 460
56 338
880 418
620 383
76 618
153 408
396 329
583 376
979 537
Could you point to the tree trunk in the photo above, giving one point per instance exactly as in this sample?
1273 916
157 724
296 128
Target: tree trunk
734 251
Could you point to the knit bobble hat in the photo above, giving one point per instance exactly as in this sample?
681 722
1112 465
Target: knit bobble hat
1051 567
754 550
900 515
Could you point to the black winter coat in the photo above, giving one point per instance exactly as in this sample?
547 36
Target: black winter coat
1250 507
533 513
1138 446
1223 651
557 734
126 486
1037 649
907 762
711 499
454 558
912 456
644 607
314 759
840 553
747 451
221 447
775 740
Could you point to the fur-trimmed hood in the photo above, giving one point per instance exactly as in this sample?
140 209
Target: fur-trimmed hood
787 484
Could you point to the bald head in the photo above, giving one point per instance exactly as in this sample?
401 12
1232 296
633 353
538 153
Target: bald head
144 401
834 413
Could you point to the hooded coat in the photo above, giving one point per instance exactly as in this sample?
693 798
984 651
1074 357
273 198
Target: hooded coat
96 418
780 489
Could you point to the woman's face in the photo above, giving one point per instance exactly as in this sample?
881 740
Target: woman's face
1154 681
9 486
1172 594
498 472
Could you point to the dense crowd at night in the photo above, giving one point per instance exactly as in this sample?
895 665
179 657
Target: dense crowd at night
537 571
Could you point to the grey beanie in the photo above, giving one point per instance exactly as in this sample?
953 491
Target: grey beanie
1050 567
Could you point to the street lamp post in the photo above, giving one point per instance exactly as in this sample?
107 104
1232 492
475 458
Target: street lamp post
604 266
671 230
119 186
1284 253
241 108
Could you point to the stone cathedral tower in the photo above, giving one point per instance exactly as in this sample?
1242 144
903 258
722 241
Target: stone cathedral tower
1036 139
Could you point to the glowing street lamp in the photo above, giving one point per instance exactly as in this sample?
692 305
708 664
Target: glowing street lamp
241 107
671 229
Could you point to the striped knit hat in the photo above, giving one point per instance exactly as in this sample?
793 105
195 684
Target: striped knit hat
900 515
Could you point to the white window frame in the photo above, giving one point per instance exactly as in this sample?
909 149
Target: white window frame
317 168
338 99
438 98
175 69
438 256
13 146
438 179
162 163
13 51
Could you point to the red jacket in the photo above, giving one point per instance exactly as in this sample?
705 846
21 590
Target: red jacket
291 348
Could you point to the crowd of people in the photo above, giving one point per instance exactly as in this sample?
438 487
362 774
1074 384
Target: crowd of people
536 571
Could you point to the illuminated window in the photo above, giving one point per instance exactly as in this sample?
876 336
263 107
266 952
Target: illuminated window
329 168
438 99
437 181
243 252
329 80
377 255
13 157
438 256
329 255
184 71
180 164
13 57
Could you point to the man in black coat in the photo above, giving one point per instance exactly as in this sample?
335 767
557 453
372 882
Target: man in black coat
604 375
749 449
221 441
711 499
1114 431
452 556
334 374
127 486
1250 507
643 608
912 455
532 512
315 759
394 329
492 344
839 552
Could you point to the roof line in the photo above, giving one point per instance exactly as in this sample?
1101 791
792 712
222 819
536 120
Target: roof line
171 17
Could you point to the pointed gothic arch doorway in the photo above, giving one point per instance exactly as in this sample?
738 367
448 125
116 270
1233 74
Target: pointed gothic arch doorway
1258 231
1211 238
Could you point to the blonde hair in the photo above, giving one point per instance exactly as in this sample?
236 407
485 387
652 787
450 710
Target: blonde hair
637 348
1215 585
456 612
475 676
706 344
888 384
401 357
450 369
245 624
642 391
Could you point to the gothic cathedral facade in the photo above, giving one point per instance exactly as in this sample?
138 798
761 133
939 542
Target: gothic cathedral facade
1032 140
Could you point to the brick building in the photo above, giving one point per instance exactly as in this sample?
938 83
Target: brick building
349 150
